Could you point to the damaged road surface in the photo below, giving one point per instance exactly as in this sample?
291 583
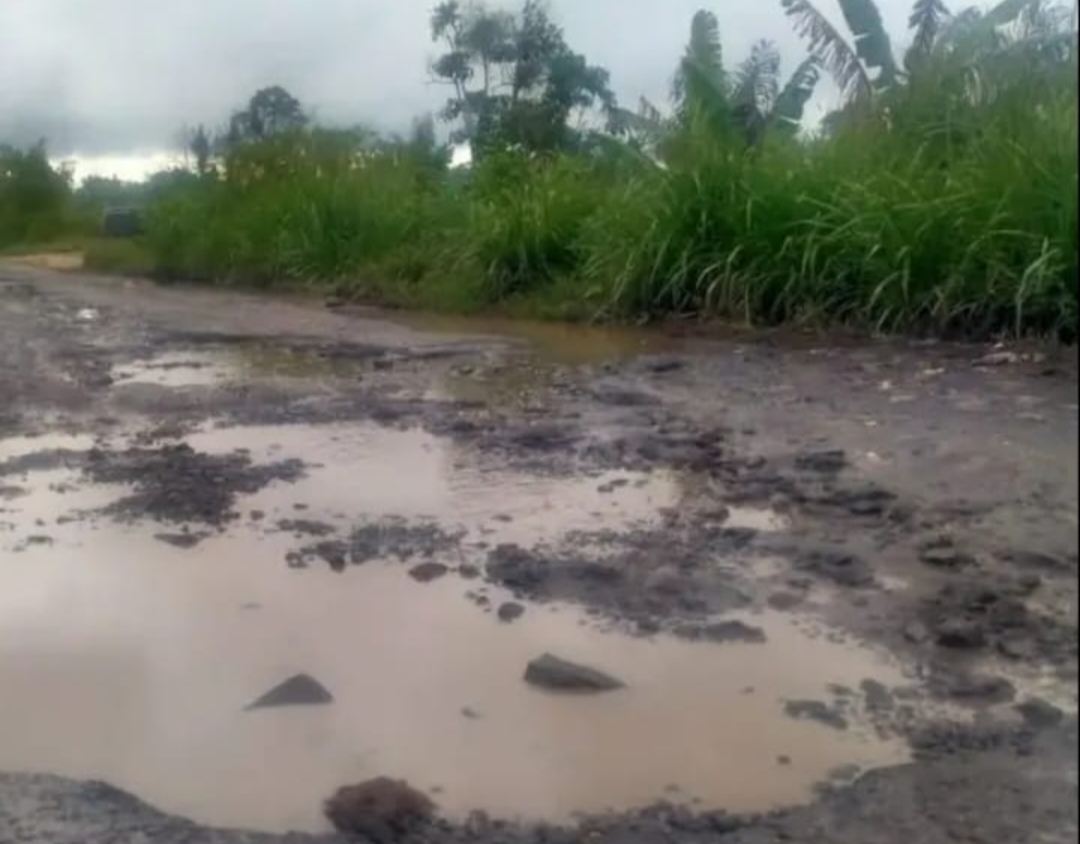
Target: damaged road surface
272 568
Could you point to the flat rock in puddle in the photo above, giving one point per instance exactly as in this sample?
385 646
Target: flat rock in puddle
551 672
299 690
722 632
816 710
978 689
941 553
427 572
840 567
822 461
181 540
1039 714
511 611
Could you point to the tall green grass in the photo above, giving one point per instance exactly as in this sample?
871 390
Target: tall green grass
938 211
892 230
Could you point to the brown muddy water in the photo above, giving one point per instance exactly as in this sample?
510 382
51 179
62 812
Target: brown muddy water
125 659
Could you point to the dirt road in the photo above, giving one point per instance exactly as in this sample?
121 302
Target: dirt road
835 581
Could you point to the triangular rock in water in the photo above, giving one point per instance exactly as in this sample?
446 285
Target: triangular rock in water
550 672
300 690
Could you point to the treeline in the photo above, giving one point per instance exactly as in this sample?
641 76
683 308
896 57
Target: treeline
941 195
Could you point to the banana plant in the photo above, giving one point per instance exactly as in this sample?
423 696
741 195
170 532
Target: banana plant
849 64
760 104
747 104
866 65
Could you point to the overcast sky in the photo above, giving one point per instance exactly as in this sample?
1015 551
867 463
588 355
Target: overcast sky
121 77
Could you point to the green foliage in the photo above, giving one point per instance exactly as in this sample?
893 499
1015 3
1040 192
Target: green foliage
35 198
942 200
829 46
747 104
886 227
525 217
700 90
516 83
117 256
872 43
305 206
271 111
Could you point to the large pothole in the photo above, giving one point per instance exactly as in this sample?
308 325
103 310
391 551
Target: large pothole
130 659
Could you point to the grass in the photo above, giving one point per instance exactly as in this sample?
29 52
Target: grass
958 220
118 256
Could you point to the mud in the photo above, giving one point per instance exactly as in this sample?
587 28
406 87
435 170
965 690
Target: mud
809 563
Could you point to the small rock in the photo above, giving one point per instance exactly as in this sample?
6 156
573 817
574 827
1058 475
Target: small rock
427 572
382 810
510 611
1016 648
470 713
1039 714
838 566
665 365
878 697
180 540
941 553
981 689
551 672
295 560
722 631
783 760
995 359
960 633
822 461
816 710
300 690
784 600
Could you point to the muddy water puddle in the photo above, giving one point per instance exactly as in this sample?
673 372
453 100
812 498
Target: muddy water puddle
556 342
127 659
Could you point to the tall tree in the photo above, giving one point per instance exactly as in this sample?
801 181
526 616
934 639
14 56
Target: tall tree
751 100
700 89
927 18
832 49
271 111
515 80
200 147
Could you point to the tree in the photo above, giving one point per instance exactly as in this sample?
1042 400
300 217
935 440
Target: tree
200 147
271 111
849 66
750 103
515 81
700 90
1013 24
927 17
34 195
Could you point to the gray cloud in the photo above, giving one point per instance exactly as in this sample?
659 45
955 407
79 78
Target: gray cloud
120 76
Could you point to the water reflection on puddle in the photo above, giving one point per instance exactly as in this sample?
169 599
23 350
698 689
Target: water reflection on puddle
126 659
178 369
376 472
